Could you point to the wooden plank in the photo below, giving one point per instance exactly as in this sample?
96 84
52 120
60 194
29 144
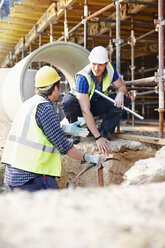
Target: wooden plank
6 47
15 32
20 45
29 9
13 26
43 22
96 2
47 17
16 20
8 40
28 16
10 37
31 36
101 177
2 55
141 138
4 51
67 3
11 43
43 3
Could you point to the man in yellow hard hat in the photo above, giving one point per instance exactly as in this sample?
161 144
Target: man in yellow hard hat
32 153
100 74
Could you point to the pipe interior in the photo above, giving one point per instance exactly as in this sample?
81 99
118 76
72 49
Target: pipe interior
18 85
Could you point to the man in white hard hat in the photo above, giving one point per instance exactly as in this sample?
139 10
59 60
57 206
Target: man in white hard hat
100 74
32 153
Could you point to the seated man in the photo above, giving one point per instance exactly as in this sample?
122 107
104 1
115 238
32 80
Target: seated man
99 74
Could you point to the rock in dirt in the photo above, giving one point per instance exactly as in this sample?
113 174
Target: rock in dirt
148 170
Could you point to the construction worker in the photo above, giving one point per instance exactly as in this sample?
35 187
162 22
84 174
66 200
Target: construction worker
32 153
100 74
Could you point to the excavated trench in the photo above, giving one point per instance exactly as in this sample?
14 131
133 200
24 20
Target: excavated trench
128 152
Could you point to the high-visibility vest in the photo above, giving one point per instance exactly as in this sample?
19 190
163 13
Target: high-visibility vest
107 80
27 148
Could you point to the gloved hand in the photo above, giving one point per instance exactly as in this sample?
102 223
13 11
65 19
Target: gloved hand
73 129
98 160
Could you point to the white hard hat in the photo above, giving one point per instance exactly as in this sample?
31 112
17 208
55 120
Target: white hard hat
98 55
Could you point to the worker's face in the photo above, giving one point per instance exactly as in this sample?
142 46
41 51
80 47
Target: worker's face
57 92
98 69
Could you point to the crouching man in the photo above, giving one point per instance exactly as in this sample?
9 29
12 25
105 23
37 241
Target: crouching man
32 153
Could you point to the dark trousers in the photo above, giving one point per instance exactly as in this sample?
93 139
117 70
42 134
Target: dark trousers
38 183
103 108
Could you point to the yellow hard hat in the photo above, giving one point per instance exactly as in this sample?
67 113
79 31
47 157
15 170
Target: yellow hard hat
46 76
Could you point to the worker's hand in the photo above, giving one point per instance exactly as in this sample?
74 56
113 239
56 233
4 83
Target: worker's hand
97 160
73 129
119 100
103 145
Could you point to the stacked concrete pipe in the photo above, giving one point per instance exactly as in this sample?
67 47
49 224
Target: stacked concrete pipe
17 83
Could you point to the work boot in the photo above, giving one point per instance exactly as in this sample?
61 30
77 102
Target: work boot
76 139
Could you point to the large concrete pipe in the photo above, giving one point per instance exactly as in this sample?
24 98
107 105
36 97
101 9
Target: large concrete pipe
18 84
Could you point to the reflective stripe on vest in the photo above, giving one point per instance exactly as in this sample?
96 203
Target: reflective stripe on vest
38 154
30 143
107 80
23 138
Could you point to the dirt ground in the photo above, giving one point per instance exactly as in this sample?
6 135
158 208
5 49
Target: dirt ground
113 216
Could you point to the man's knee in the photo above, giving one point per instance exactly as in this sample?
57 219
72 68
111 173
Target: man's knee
68 102
71 108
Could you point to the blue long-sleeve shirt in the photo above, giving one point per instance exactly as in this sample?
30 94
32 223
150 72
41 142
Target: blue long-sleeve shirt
47 120
82 86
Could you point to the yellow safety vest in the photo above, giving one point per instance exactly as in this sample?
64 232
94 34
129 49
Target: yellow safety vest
27 148
107 80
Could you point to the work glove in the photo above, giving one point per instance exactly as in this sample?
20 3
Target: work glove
97 160
73 129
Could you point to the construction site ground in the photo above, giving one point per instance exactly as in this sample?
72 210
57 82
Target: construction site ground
129 211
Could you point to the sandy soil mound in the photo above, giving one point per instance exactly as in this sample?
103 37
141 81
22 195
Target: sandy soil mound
114 216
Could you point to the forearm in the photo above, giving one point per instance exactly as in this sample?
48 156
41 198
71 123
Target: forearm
75 153
123 89
90 121
120 86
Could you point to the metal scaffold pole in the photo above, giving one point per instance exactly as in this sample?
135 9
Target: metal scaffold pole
51 32
110 46
40 44
65 25
85 24
160 73
88 19
117 40
133 92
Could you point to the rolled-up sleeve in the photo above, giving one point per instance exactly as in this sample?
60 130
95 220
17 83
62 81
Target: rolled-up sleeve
81 84
47 120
